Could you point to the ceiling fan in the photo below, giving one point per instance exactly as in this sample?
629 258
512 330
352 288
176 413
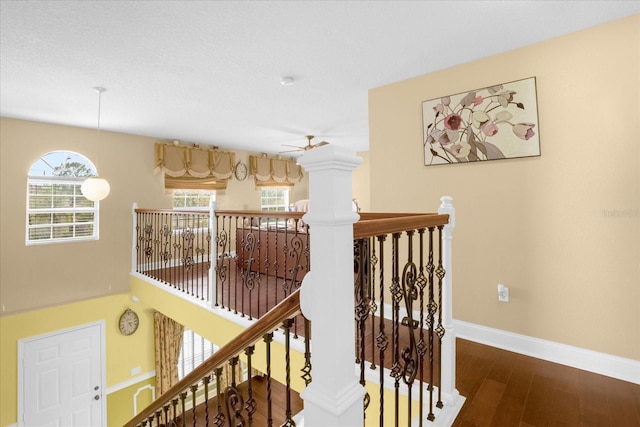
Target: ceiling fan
309 145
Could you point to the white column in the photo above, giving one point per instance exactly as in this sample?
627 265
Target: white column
448 361
334 397
213 254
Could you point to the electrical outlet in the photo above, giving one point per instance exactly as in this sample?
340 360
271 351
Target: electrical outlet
503 293
136 370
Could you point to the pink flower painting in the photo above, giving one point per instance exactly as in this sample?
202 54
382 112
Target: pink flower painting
496 122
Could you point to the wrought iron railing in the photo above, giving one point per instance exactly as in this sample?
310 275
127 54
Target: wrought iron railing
174 247
260 258
244 261
399 318
200 400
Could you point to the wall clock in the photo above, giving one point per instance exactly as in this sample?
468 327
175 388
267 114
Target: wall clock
128 322
241 171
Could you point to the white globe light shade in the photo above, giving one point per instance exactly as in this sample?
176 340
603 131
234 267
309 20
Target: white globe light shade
95 188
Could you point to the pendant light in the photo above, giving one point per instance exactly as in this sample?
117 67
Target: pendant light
95 188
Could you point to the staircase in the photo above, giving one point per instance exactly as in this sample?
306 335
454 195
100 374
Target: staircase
377 294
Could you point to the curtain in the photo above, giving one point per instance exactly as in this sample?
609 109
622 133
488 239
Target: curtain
168 341
193 168
274 172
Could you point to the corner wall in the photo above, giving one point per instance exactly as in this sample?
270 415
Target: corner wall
562 231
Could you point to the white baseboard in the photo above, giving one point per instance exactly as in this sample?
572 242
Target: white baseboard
580 358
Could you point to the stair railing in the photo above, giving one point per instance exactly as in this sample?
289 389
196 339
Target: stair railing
171 407
399 314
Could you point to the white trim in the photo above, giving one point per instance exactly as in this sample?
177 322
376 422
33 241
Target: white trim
103 363
224 313
128 383
135 397
580 358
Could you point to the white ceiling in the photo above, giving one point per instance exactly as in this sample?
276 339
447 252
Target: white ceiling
209 72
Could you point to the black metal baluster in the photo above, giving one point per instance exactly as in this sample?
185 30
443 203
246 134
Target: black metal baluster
166 414
422 348
205 381
174 420
381 340
440 272
287 348
194 388
396 293
410 295
306 370
268 339
183 399
250 403
219 418
430 320
372 268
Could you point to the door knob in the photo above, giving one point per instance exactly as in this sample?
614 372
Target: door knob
96 387
96 397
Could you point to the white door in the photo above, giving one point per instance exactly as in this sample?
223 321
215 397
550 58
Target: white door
61 380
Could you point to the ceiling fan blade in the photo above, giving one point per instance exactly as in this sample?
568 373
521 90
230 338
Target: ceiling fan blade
320 144
290 151
294 146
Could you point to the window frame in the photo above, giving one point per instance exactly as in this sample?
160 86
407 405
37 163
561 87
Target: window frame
199 349
273 207
84 207
200 194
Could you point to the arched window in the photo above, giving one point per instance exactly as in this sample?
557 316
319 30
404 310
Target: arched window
56 209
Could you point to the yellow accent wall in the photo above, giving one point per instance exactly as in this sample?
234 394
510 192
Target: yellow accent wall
217 329
562 230
122 352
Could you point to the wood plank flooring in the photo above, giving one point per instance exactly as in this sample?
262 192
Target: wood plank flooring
506 389
259 386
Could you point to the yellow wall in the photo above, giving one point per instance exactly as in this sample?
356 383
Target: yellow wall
216 329
538 225
122 352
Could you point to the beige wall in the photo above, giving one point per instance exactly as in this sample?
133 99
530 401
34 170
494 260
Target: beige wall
361 189
38 276
562 231
45 288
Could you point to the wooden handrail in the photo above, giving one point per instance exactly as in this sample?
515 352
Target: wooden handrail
243 213
378 227
287 309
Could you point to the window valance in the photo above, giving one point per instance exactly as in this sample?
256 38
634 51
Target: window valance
194 168
274 172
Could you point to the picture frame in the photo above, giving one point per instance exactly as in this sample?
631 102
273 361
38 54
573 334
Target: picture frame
491 123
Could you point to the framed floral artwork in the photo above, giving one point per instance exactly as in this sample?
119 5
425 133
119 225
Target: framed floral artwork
492 123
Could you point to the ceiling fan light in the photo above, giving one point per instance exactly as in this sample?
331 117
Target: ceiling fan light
95 188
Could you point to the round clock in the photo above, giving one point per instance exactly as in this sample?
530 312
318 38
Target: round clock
241 171
128 322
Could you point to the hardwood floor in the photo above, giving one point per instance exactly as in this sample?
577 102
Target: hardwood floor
506 389
278 405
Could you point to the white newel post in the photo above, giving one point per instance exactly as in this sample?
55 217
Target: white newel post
213 253
134 252
448 361
334 397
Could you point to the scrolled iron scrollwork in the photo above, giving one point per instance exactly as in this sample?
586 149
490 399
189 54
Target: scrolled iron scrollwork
235 404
